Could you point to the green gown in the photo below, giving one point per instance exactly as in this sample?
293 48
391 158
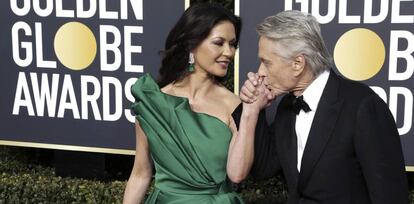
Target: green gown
189 149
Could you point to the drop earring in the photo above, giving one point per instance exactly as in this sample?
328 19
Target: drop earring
191 62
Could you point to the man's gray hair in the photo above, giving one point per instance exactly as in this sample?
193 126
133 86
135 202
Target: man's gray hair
297 33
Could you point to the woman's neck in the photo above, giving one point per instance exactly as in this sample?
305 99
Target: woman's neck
196 85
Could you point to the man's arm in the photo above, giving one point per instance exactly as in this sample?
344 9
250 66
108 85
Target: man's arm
378 148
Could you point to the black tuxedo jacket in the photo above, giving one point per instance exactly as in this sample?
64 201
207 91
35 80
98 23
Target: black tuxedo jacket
353 153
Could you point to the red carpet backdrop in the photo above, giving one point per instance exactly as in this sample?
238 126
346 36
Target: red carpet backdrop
371 41
66 69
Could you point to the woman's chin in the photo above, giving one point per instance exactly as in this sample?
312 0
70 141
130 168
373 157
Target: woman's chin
221 75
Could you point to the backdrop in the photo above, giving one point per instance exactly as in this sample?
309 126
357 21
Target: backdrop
372 41
66 69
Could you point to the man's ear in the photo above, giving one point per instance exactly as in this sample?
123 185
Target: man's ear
299 64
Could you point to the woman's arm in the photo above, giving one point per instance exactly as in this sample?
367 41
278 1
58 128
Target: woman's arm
141 174
241 149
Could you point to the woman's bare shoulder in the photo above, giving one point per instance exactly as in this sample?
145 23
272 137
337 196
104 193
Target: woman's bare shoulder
168 89
229 98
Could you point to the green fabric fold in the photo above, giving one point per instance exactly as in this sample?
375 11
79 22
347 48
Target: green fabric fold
189 149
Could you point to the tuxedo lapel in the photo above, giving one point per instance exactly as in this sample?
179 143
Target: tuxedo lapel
321 129
292 147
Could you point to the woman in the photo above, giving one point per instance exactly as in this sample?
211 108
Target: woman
184 123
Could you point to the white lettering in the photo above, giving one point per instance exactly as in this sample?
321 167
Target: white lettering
396 35
81 13
20 11
104 13
368 13
137 7
129 49
22 91
43 95
395 13
408 107
90 98
106 82
27 46
113 47
39 49
43 12
67 90
60 12
130 97
343 16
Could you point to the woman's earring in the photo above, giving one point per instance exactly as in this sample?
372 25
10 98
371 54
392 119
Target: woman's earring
191 62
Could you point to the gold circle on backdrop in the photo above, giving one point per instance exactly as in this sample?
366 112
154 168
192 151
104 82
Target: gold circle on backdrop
75 45
359 54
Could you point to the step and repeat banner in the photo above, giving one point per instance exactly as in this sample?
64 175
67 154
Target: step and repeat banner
66 69
372 41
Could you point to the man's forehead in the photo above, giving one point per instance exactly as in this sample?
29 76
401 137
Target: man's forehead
266 49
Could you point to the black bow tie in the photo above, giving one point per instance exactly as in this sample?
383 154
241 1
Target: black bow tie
298 104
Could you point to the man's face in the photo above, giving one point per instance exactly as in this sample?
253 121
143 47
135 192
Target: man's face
276 71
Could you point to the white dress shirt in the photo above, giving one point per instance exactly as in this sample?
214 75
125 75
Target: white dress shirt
311 96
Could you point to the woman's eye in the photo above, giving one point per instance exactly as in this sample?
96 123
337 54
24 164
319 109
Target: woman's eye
218 43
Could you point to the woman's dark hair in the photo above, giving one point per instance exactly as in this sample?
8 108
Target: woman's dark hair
192 28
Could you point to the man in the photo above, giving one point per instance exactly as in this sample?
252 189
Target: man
339 145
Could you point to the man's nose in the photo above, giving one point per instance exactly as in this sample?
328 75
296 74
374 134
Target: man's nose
261 70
